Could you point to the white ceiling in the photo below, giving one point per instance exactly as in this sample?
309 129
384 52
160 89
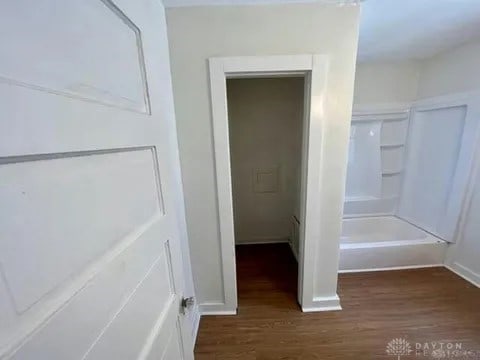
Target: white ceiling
396 29
178 3
415 29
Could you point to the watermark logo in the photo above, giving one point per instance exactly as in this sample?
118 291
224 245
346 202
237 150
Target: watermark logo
399 347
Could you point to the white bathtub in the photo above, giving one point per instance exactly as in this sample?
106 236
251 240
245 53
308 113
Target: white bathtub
387 242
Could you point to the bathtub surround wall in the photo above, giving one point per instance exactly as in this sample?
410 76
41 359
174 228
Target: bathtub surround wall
265 124
447 74
441 144
432 171
198 33
375 162
373 236
384 92
445 83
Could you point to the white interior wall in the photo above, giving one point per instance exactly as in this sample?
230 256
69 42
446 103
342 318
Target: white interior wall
453 71
450 72
197 33
384 82
265 124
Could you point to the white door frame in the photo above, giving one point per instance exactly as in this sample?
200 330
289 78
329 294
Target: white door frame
315 69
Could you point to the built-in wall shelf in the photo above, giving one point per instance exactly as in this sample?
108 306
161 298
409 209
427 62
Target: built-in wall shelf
376 162
380 117
371 198
388 173
392 172
361 198
392 145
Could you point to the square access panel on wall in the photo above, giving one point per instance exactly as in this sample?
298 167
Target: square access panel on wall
265 179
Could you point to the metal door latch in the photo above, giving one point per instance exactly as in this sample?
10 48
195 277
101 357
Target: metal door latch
186 303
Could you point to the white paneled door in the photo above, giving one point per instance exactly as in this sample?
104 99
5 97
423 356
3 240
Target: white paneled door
90 264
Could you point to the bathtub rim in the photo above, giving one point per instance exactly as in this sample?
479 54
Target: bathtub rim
430 239
391 268
428 236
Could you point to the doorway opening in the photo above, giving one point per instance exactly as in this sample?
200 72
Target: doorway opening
266 122
315 293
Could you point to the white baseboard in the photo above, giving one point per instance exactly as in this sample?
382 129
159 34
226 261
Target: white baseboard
216 309
393 268
465 273
327 303
220 312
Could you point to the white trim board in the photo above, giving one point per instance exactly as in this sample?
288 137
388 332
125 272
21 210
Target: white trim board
327 303
215 309
315 69
464 273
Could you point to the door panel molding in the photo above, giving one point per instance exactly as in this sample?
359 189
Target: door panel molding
74 75
90 224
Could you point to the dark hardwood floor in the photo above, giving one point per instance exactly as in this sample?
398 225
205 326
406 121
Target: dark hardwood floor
421 306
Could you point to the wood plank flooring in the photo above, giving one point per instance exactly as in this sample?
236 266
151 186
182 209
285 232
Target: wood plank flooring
422 306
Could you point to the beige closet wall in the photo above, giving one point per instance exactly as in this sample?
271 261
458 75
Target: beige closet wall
265 122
